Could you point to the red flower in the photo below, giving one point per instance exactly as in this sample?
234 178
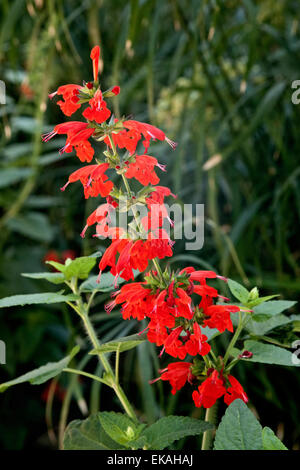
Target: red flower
100 215
219 317
149 132
52 255
70 96
177 373
209 391
133 255
214 387
93 180
129 138
97 111
68 254
77 136
135 299
173 346
158 195
95 55
197 344
155 218
235 391
143 169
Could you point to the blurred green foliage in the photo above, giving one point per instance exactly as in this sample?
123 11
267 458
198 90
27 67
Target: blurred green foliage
216 77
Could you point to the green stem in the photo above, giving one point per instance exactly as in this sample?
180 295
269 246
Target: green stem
210 416
234 338
158 268
83 312
86 374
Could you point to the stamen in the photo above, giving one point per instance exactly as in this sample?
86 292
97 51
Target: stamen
161 167
108 307
171 143
99 277
51 95
48 136
64 187
143 331
83 231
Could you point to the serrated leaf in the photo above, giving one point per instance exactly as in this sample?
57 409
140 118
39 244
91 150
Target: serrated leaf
269 354
88 434
121 345
270 441
43 373
239 291
55 278
44 298
169 429
238 429
119 427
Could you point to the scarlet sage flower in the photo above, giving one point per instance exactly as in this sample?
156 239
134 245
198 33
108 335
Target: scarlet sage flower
97 111
70 102
149 132
142 169
98 216
209 391
234 391
95 55
158 195
214 387
135 299
93 179
196 344
133 254
219 317
78 134
135 130
177 373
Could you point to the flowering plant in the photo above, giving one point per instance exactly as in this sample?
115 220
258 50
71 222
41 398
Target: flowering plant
182 310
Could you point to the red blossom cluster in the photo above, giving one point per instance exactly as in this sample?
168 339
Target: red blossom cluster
180 307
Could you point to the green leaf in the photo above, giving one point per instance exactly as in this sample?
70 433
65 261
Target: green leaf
270 441
169 429
260 300
120 427
273 307
239 291
238 429
268 353
88 434
258 327
106 284
44 298
9 176
121 345
33 225
42 374
55 278
79 267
